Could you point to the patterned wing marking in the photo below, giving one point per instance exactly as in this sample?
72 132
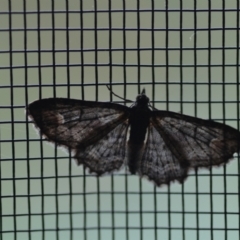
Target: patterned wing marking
178 142
158 162
75 123
107 154
202 142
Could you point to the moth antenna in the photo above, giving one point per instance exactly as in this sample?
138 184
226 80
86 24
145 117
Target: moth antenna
127 100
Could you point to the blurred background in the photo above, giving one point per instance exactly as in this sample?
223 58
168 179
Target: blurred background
184 52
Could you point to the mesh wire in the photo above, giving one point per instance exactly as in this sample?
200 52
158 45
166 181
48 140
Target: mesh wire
186 55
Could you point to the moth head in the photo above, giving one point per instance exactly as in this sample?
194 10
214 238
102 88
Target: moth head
142 98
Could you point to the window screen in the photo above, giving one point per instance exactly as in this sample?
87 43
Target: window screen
184 53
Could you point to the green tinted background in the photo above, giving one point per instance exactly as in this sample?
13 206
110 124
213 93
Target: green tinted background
44 195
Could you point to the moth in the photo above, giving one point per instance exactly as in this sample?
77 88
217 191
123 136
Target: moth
160 145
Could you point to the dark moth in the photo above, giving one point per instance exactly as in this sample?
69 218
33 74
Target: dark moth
162 145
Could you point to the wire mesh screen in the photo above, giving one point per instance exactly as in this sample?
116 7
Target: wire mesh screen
185 53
